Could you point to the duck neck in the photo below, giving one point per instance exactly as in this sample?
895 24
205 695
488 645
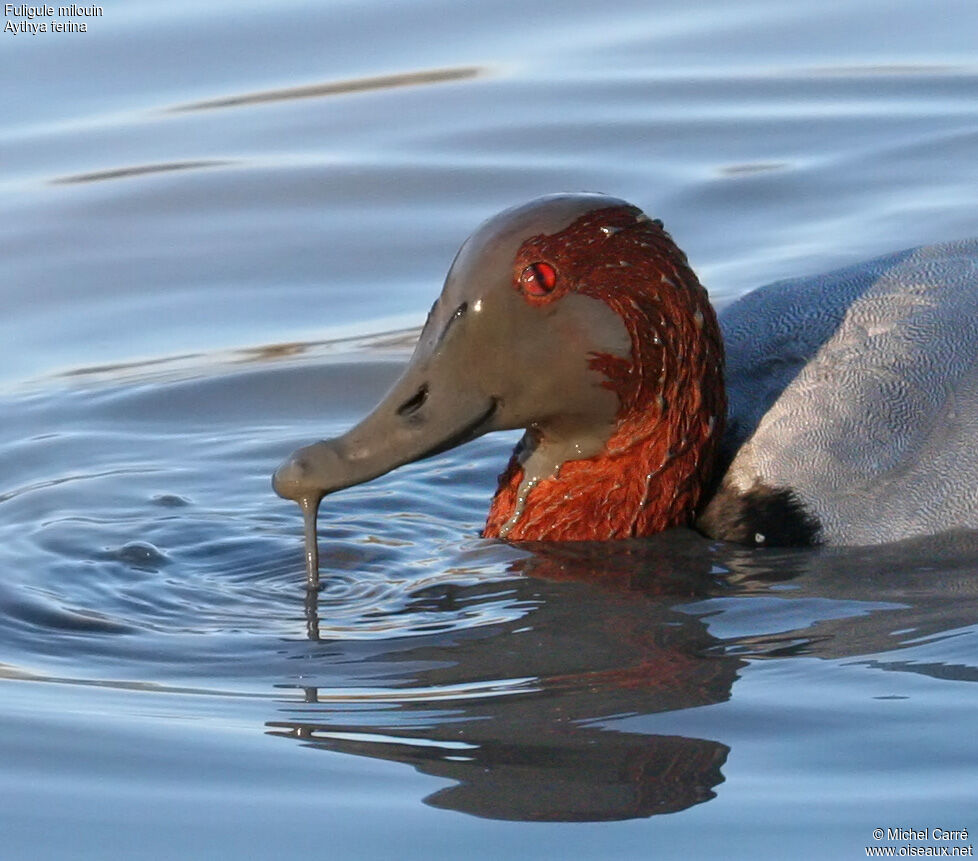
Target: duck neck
652 470
639 486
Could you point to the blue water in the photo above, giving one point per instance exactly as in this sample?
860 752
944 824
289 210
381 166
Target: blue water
221 224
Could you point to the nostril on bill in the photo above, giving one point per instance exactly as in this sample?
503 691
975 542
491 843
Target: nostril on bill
413 404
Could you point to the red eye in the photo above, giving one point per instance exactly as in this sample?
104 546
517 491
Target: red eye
538 279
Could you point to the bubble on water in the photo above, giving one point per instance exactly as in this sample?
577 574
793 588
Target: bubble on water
138 554
170 500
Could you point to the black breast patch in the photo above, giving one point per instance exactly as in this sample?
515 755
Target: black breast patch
760 517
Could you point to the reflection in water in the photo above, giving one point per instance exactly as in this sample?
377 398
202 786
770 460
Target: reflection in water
137 170
535 748
579 774
335 88
865 600
617 631
394 344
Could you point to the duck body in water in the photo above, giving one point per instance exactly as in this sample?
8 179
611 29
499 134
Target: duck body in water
847 414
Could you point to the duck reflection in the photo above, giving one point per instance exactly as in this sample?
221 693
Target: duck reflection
600 641
522 714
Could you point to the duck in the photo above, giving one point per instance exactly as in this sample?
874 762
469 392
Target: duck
835 409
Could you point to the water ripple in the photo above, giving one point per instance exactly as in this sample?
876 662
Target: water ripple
335 88
138 170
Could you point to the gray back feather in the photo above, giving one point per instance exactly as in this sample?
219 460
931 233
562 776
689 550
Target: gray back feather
858 390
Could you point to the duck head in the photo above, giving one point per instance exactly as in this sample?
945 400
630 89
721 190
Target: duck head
575 317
